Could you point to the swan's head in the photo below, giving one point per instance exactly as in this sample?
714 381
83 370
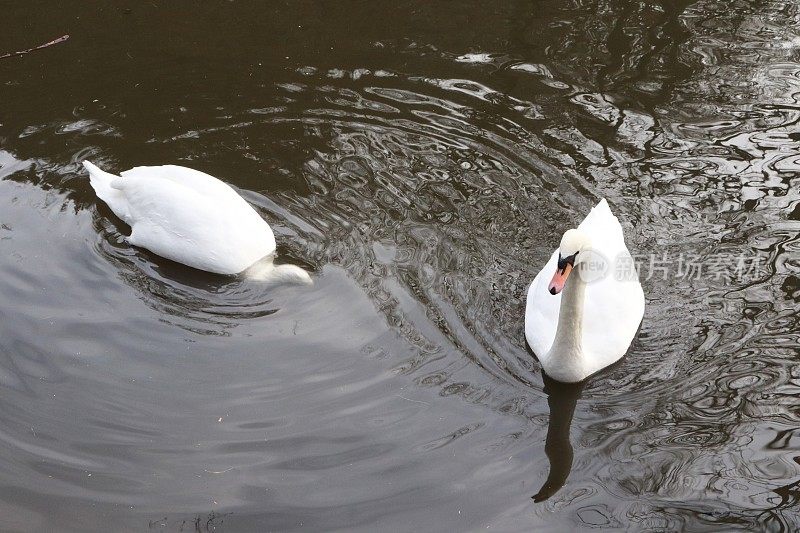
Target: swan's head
291 274
572 243
267 271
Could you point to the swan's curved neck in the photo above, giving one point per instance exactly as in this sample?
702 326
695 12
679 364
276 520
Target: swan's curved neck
568 343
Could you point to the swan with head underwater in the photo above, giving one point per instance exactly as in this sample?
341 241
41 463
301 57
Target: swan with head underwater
195 219
585 306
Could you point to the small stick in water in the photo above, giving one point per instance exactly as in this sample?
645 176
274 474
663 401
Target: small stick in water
45 45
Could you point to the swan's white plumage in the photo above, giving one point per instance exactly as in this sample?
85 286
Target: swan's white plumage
613 308
187 216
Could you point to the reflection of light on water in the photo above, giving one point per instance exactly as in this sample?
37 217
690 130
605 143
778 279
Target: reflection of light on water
10 164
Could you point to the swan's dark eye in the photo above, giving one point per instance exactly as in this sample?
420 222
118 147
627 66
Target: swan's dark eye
564 261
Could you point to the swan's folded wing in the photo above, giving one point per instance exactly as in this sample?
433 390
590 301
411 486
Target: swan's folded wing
199 182
541 310
613 309
614 301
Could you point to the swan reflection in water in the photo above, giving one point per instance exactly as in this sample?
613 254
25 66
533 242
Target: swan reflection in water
561 399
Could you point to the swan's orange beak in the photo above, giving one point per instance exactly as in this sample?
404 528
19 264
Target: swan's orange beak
559 279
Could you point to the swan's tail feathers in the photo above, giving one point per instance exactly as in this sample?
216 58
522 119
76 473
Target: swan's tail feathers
602 205
104 186
100 179
603 226
599 213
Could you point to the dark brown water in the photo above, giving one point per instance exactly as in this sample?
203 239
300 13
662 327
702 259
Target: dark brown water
423 159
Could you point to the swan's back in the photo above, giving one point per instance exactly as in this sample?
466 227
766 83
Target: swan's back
187 216
194 180
613 304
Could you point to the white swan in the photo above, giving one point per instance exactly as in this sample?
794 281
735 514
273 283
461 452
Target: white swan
192 218
592 323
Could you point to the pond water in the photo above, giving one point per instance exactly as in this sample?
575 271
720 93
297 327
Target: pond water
422 160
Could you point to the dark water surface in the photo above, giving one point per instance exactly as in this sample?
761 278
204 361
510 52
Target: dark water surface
422 159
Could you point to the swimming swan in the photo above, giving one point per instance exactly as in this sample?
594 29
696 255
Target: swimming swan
592 323
190 217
